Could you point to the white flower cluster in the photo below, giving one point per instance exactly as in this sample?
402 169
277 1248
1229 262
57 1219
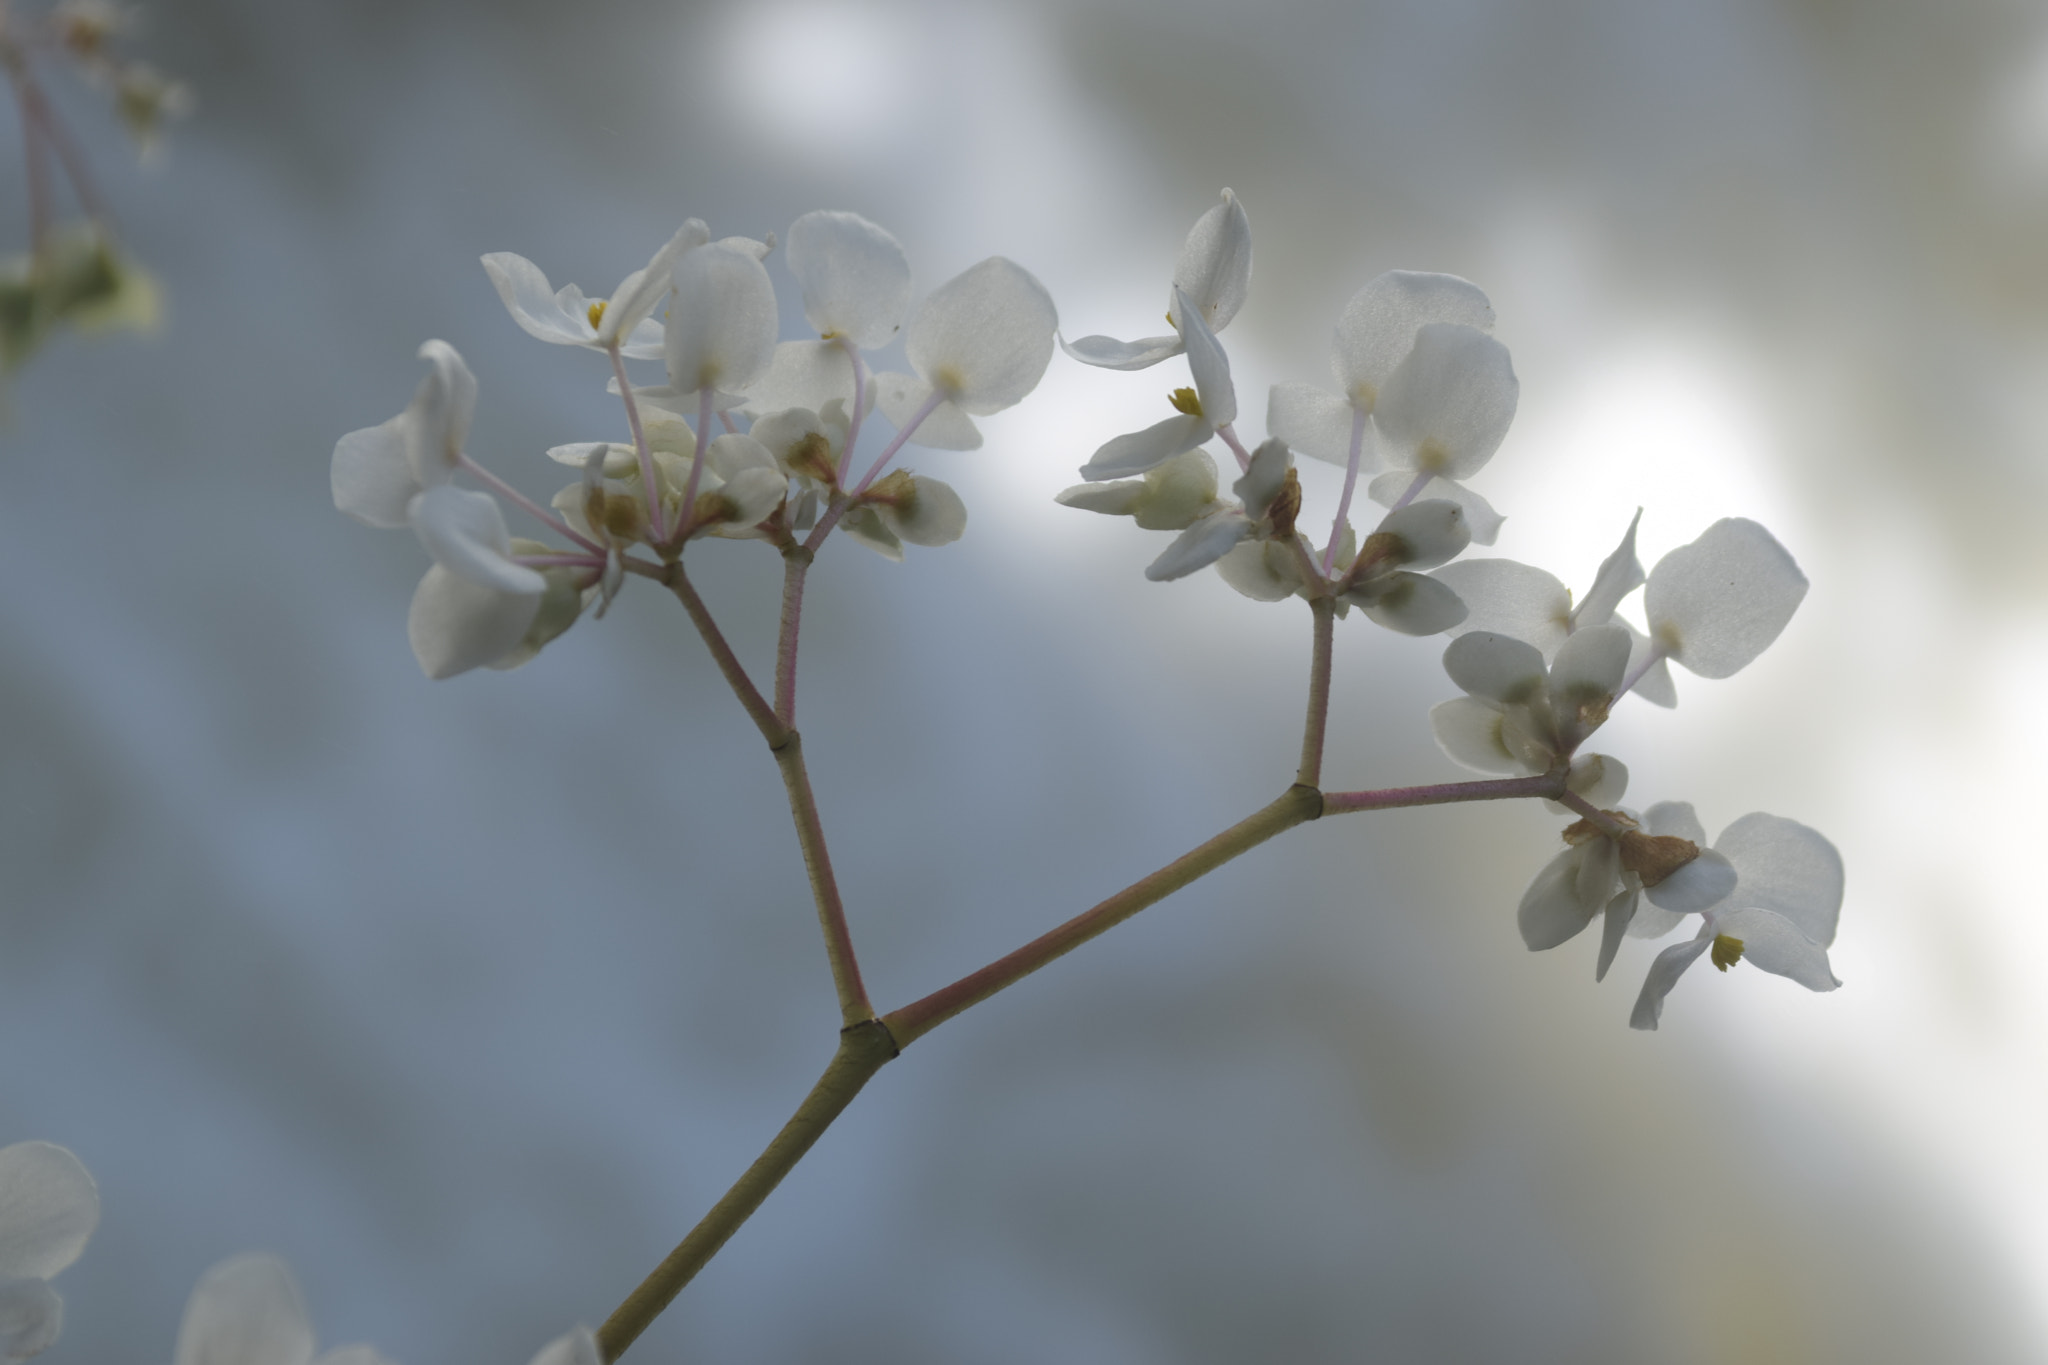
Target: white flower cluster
1424 397
48 1209
790 416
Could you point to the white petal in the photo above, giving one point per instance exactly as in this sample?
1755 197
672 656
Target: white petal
721 322
1653 684
1621 573
1497 667
1380 323
1264 478
456 624
48 1208
533 303
1110 354
1719 602
1215 266
985 336
1774 943
1390 487
1789 868
1620 913
1653 922
753 494
1448 406
1315 422
1599 873
1598 779
618 458
1511 599
465 532
734 451
1411 603
1552 910
1210 368
1588 666
946 427
371 475
1201 545
1468 730
577 1348
1113 499
802 374
865 526
1177 494
1139 451
855 277
437 420
246 1311
1263 570
31 1318
932 515
1433 531
640 293
1675 818
1700 885
1664 974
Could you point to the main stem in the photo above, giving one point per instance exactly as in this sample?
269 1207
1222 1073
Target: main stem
863 1050
1313 730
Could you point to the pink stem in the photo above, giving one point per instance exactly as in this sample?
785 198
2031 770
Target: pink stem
656 517
1650 661
1350 486
1421 480
1544 784
889 451
860 385
697 463
1228 432
532 508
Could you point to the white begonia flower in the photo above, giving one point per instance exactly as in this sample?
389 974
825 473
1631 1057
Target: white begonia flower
1448 405
475 604
1717 603
1523 715
1381 578
1660 856
1779 915
566 318
1184 497
247 1311
49 1207
742 485
721 328
1510 598
1214 272
902 506
979 344
1212 403
1170 497
856 286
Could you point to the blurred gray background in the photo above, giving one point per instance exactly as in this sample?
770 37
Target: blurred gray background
469 998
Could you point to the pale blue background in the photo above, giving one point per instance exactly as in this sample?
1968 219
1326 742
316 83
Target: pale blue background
468 998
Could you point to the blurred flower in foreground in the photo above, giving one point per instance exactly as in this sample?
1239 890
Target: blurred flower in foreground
75 274
48 1208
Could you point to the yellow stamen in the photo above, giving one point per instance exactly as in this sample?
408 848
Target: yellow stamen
1726 951
596 314
1187 401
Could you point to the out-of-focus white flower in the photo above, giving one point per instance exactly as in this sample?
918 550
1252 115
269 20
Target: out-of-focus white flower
48 1209
978 344
566 318
1214 273
575 1348
1779 914
475 604
902 506
743 485
1521 715
1210 404
1171 496
720 333
247 1311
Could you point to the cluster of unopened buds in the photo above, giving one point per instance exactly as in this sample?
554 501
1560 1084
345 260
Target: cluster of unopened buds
75 274
755 438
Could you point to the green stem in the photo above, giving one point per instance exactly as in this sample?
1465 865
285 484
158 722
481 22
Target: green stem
796 566
854 1008
863 1050
1295 806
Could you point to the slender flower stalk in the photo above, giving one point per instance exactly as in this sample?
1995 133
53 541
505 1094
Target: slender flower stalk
889 451
860 389
529 506
655 515
1228 431
1313 729
1350 486
796 567
688 511
1446 793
